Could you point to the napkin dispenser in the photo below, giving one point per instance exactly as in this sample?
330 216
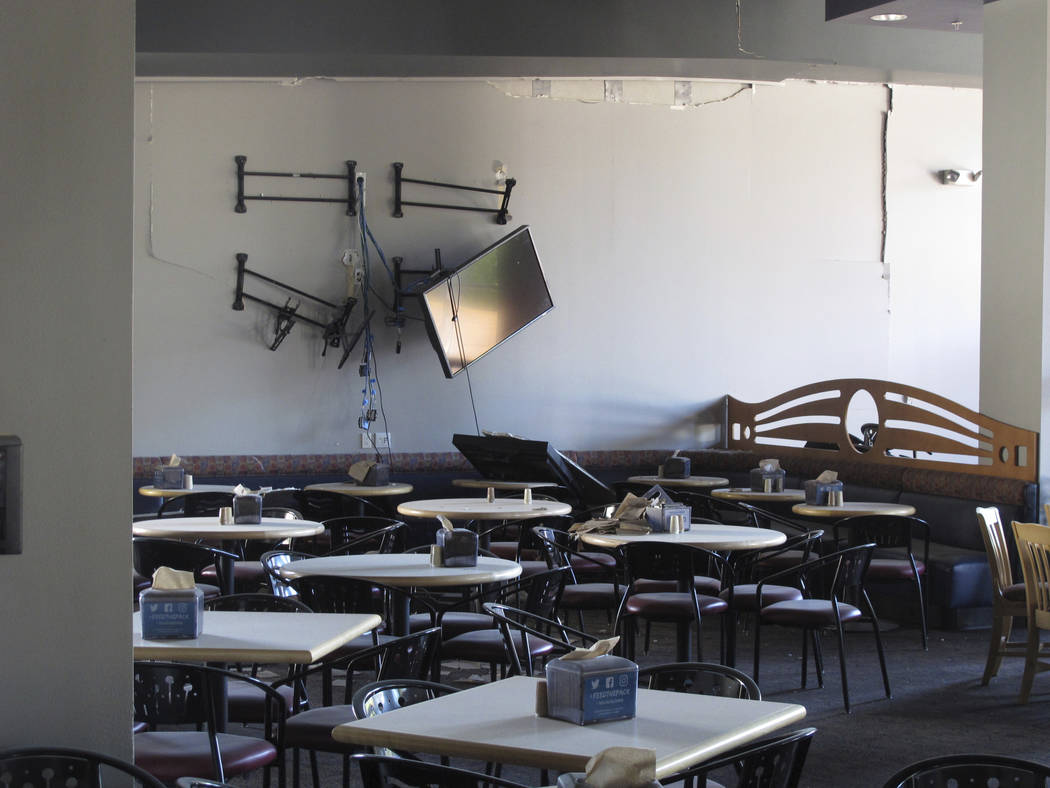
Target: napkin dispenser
247 509
768 477
171 476
824 490
676 467
459 547
173 608
661 508
370 474
584 689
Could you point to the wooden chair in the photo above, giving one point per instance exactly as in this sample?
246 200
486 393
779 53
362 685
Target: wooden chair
1008 598
1033 544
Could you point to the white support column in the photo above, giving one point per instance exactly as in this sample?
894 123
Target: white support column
1015 275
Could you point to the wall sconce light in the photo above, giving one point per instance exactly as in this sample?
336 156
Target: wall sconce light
959 177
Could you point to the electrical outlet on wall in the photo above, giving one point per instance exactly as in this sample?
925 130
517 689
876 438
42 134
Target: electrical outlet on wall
382 440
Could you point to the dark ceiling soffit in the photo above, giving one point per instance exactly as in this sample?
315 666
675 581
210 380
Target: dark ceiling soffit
922 14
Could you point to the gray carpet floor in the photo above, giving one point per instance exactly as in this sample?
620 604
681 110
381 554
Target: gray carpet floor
938 705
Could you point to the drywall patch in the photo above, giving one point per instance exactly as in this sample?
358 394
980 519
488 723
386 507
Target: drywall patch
672 93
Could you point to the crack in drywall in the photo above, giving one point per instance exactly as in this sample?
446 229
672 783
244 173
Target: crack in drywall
673 94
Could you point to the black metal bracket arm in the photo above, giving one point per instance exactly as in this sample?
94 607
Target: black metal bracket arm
501 212
333 332
397 316
351 188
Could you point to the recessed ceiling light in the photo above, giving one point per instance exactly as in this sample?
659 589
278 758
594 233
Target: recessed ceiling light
888 17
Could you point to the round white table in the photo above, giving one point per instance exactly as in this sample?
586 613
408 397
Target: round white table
747 494
708 535
482 509
161 492
688 481
499 484
403 570
271 528
852 508
362 490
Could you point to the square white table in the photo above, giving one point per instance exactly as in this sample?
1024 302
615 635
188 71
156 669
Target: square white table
497 722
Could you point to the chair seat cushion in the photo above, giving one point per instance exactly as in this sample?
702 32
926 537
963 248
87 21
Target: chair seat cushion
808 613
530 568
893 569
1015 592
453 623
745 594
702 583
245 701
590 596
486 645
592 562
506 550
168 755
673 606
312 729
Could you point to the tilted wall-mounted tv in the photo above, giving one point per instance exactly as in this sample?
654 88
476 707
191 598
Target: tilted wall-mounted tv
485 301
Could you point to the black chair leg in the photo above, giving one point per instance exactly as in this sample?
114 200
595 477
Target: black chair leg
805 657
818 656
842 666
758 632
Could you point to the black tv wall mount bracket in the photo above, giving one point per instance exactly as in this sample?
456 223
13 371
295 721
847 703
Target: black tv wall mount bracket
333 332
501 212
351 186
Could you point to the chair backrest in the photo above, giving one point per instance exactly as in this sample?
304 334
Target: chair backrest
379 697
47 767
408 657
667 561
718 509
149 553
196 504
752 564
772 763
257 603
272 563
840 575
971 770
513 621
1033 545
284 512
328 594
994 535
542 591
699 678
385 538
346 529
380 771
885 531
764 518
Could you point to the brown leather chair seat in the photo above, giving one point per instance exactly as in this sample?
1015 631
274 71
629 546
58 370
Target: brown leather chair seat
672 606
702 583
487 645
745 595
245 703
453 623
590 596
312 729
808 613
168 755
893 569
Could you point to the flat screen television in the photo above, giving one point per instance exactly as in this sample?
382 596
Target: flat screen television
485 301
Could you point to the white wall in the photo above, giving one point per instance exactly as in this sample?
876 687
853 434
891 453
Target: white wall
65 352
729 248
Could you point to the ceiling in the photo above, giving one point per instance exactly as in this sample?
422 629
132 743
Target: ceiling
921 14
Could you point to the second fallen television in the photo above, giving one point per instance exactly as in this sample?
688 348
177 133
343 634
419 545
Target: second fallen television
485 301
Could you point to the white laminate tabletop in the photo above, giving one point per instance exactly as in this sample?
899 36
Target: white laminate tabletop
161 492
498 722
482 509
688 481
404 569
851 508
499 484
747 494
362 490
229 636
710 535
275 528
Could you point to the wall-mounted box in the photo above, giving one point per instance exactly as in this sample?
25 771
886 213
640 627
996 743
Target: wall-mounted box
10 494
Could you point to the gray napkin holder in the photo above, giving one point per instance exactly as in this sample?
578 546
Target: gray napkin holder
759 476
676 468
817 492
169 477
586 691
171 614
459 547
247 509
378 475
658 515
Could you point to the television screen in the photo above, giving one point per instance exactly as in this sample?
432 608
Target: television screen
486 300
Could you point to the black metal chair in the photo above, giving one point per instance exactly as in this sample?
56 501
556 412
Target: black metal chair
379 771
772 763
386 534
894 560
149 553
171 693
379 697
684 607
522 631
409 657
46 767
600 589
952 771
699 678
841 574
195 504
